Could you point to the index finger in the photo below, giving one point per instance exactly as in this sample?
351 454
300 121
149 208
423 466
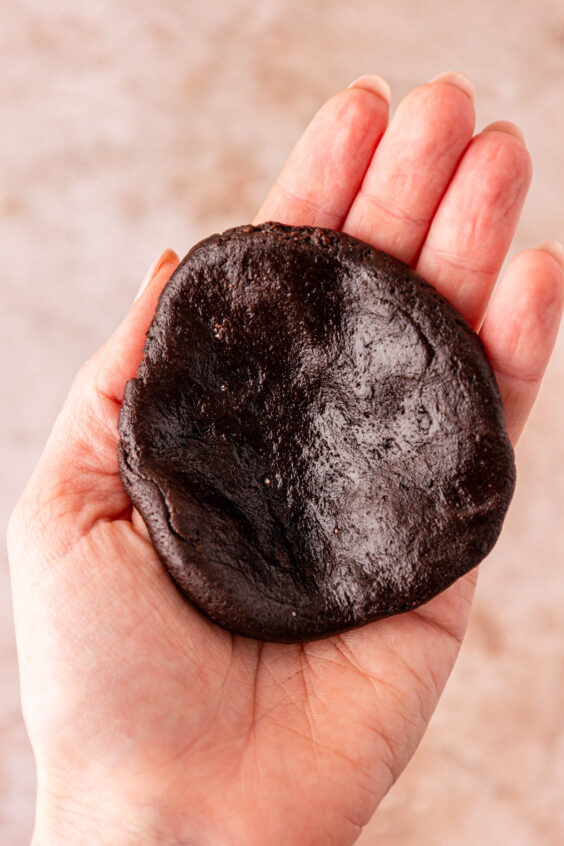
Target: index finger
326 167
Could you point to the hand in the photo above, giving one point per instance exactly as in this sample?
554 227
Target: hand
148 722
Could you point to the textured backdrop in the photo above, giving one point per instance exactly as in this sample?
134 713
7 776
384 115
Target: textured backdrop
128 126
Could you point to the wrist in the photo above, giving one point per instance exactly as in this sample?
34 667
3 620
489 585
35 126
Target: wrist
102 821
59 825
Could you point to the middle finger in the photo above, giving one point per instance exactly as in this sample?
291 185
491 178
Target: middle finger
412 166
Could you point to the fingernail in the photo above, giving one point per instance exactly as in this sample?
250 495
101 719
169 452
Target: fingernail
167 257
376 84
505 126
460 80
553 248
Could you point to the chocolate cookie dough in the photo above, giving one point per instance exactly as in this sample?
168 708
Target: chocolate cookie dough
315 438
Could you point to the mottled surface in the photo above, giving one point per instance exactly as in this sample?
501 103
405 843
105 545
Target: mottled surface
314 438
128 127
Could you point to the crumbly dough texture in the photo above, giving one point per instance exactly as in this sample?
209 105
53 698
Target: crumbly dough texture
315 438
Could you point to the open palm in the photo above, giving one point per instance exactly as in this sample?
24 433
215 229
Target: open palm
148 720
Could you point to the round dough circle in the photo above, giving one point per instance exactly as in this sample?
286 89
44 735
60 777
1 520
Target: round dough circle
315 438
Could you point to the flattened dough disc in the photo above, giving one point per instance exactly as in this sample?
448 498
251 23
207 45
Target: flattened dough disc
315 438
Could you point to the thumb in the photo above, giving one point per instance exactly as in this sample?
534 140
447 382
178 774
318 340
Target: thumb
76 482
117 360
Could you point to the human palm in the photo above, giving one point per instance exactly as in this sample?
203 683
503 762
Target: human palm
144 716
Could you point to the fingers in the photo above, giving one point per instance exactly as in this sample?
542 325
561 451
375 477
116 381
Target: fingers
520 328
325 169
476 219
412 166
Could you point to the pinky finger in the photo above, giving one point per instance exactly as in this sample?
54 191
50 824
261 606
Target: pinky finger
520 328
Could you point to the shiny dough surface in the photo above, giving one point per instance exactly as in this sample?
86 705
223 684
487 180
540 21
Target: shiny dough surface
314 438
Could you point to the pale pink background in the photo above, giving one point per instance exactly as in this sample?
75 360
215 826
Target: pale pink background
128 126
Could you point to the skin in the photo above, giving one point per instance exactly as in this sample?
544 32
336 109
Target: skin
150 724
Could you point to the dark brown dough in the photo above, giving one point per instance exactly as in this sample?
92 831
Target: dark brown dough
315 438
